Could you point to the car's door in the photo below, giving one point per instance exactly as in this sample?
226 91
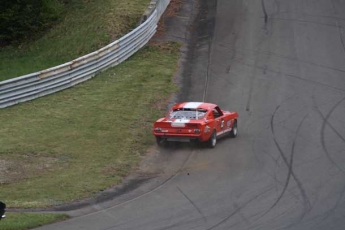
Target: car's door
219 120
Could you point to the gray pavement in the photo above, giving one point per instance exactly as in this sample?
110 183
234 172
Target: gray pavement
281 65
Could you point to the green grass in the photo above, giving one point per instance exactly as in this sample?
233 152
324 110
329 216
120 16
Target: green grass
86 27
22 221
72 144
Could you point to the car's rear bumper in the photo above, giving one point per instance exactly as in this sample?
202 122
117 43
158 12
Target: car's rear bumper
180 137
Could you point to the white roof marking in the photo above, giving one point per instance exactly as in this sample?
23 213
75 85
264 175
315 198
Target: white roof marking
192 105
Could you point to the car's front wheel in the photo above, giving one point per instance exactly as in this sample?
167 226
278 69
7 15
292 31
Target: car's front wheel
213 140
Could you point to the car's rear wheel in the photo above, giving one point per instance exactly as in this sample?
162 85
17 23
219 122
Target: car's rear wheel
162 142
213 140
234 130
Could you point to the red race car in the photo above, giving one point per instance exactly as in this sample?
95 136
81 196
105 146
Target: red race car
203 122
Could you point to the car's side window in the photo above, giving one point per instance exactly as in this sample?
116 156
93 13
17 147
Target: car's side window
219 111
215 113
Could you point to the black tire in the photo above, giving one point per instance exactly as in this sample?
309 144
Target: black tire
2 210
161 142
234 130
213 140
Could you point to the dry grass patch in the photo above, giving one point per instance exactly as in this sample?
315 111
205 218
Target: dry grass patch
22 167
87 138
23 221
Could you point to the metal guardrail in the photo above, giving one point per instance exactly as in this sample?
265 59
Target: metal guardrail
45 82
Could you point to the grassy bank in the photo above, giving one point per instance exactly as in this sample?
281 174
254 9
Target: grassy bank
22 221
86 27
72 144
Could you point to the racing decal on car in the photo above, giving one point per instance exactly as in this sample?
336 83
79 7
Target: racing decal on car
224 131
228 123
179 123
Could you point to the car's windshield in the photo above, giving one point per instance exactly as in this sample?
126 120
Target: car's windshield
187 114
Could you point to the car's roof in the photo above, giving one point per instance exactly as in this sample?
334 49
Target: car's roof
194 105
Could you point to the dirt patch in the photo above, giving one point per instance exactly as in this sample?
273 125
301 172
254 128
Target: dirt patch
174 7
17 168
171 11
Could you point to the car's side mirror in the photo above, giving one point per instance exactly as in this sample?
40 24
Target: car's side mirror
2 210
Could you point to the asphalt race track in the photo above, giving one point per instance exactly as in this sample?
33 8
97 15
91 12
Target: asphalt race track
281 65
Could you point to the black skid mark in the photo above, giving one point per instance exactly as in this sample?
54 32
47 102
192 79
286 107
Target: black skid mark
194 205
327 122
306 201
264 11
241 62
307 206
239 209
290 171
339 27
322 136
212 26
